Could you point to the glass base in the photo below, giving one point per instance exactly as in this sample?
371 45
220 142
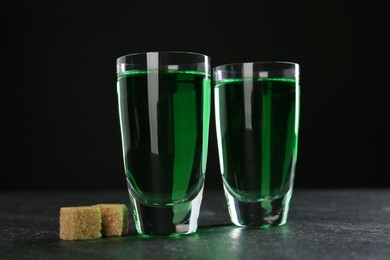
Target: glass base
174 220
260 214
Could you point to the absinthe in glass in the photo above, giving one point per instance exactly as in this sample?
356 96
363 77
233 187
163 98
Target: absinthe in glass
164 119
257 131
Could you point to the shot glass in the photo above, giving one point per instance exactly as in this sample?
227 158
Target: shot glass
164 110
257 119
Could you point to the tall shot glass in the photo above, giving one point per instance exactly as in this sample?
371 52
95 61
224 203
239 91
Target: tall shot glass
257 118
164 110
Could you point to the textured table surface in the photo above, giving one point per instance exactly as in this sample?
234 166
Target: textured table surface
323 224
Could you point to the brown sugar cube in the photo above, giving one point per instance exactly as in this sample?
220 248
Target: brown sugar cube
78 223
115 219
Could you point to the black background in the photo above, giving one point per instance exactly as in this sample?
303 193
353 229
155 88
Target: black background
59 116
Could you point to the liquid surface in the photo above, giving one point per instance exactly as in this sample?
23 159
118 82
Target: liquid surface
257 133
164 119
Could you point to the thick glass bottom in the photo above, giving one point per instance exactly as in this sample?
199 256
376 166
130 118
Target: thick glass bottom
173 220
260 214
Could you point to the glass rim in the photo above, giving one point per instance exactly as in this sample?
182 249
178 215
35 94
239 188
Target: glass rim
257 69
162 52
257 62
164 61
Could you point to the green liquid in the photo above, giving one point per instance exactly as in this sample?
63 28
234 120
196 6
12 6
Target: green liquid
257 132
164 119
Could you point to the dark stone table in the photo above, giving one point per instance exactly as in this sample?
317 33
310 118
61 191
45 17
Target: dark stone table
323 224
